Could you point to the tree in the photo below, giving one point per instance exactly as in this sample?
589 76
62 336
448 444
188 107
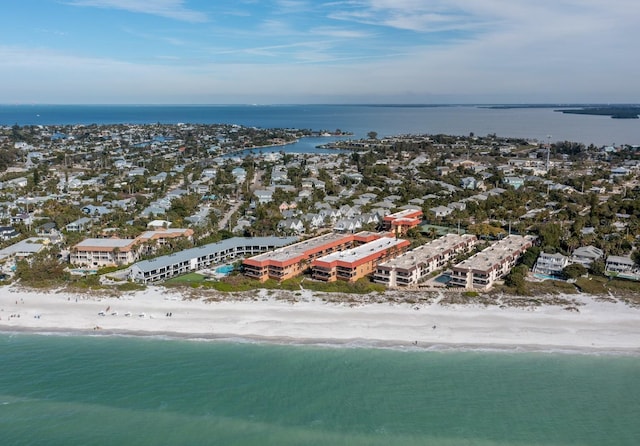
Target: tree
372 135
516 279
574 271
530 256
597 267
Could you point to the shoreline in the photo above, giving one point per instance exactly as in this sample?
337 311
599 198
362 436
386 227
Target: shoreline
598 327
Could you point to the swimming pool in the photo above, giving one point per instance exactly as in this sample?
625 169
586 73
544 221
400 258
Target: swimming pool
547 277
442 278
224 269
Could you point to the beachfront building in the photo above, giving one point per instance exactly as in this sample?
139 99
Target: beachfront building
358 262
550 265
201 257
586 255
163 236
23 248
290 261
481 270
623 267
400 222
102 252
413 266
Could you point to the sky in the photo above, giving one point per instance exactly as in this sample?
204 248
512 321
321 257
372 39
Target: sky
304 51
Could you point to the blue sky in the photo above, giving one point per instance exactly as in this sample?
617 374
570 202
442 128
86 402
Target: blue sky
303 51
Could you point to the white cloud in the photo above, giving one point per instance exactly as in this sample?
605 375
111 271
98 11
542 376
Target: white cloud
173 9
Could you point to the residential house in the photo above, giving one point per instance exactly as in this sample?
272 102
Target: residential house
8 232
80 224
440 211
23 248
621 266
515 182
586 255
550 265
263 195
291 226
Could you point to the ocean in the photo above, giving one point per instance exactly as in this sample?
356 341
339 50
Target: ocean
542 124
100 390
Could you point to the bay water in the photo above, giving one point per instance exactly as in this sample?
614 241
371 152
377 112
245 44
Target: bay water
542 124
100 390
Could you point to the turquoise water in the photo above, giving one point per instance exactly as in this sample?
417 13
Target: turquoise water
57 390
225 269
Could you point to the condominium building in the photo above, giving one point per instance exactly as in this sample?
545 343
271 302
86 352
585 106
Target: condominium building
101 252
399 222
290 261
481 270
355 263
201 257
413 266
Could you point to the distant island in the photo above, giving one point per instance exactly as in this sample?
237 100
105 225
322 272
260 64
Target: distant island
616 111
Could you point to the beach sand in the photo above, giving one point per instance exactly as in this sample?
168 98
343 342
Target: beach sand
598 325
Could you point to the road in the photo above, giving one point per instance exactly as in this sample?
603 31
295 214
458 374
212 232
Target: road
255 183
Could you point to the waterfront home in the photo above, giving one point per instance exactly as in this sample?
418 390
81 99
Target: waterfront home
550 264
23 248
621 266
586 255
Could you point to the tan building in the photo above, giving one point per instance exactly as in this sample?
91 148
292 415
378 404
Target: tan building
101 252
481 270
415 265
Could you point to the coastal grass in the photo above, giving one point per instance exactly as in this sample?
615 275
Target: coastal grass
239 283
592 285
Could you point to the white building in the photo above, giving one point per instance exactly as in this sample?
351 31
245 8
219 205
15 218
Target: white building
550 264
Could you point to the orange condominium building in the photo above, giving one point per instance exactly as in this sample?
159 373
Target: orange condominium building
290 261
358 262
400 222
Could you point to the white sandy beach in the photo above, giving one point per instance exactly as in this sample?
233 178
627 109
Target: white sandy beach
599 326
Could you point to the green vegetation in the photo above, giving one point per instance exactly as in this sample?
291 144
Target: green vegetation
238 283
